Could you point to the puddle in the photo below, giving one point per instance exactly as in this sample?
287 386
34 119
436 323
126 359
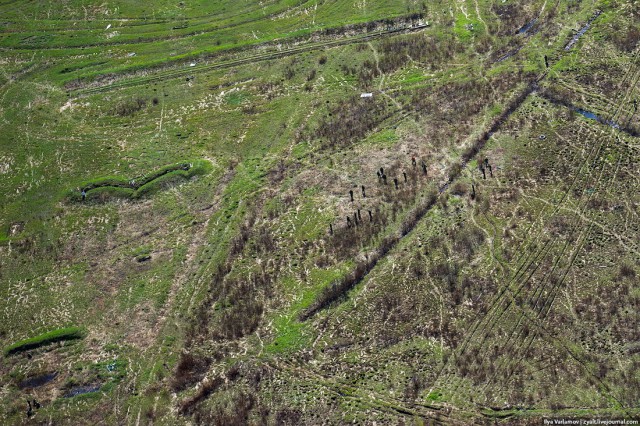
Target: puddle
526 27
34 382
583 30
592 116
81 390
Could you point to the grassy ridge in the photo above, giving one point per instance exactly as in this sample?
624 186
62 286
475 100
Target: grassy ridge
58 335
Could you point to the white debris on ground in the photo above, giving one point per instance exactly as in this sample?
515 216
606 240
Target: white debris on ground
5 164
366 95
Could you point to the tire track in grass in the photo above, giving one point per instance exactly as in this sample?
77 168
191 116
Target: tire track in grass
541 313
506 300
512 345
580 214
182 72
501 294
536 321
198 31
537 290
600 148
525 263
384 403
547 303
516 334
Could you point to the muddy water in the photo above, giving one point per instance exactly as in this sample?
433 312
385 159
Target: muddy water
81 390
592 116
34 382
583 30
526 27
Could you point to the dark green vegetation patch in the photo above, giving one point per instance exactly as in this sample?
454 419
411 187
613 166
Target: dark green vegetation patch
53 336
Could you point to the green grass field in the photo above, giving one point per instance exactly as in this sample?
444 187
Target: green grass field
259 244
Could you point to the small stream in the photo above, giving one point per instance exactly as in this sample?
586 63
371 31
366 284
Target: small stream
583 30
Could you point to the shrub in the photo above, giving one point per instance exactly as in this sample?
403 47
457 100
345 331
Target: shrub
351 120
289 72
312 75
130 107
459 189
627 271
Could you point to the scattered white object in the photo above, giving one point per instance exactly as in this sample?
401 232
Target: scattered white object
366 95
131 54
192 64
108 26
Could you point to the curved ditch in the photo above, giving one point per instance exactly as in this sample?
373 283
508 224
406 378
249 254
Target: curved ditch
137 187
